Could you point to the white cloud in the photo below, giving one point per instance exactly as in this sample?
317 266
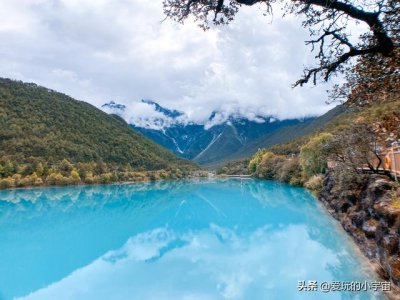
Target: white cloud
222 264
120 50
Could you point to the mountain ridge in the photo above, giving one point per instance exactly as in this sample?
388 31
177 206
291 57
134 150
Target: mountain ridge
213 141
42 125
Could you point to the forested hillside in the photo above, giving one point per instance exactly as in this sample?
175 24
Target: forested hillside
43 132
287 138
351 140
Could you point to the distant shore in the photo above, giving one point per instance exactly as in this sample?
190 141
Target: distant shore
133 177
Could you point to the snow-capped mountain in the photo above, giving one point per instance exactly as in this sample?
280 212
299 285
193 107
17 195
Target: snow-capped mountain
115 107
220 138
145 114
165 111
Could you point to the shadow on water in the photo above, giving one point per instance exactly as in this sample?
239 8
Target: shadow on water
204 239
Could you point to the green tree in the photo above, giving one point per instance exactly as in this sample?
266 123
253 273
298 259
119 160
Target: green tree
39 169
55 127
66 167
356 146
255 161
269 165
100 168
89 178
313 155
7 183
27 169
74 177
290 171
8 169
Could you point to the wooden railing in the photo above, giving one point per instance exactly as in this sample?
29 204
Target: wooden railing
392 161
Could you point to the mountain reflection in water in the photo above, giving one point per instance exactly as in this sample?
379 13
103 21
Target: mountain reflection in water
218 239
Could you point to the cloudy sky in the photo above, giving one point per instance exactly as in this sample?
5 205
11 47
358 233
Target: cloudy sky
102 50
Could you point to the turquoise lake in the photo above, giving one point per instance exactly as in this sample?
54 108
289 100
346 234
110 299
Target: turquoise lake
205 239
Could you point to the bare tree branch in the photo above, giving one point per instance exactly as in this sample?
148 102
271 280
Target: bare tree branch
326 18
328 69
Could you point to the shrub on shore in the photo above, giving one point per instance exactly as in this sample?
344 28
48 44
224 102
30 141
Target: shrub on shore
315 183
305 168
67 173
267 165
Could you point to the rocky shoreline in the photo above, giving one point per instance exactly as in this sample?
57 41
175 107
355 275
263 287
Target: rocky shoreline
372 221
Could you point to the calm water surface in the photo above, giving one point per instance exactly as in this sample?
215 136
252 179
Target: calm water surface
220 239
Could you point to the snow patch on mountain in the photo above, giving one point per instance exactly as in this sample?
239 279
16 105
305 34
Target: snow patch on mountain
146 114
151 115
177 146
221 117
214 139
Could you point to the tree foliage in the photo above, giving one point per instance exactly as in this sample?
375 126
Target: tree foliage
314 153
327 21
49 138
374 78
351 143
237 167
41 125
354 147
267 165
